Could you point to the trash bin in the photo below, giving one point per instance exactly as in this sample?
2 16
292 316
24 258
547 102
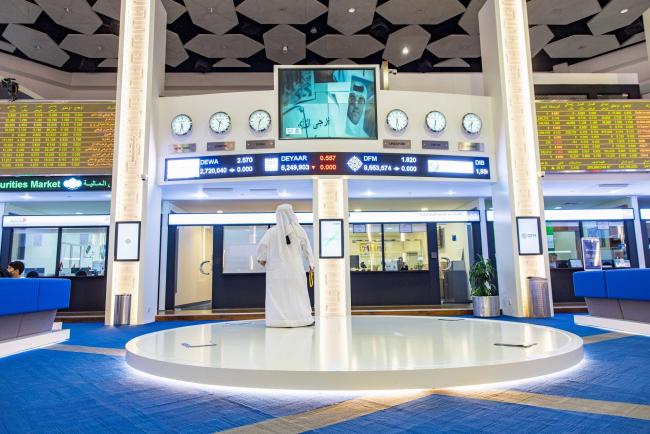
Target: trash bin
539 304
122 311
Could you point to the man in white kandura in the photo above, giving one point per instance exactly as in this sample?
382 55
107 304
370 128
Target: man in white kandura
281 251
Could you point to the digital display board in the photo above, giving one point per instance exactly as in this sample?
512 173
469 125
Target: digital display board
327 163
327 103
594 136
56 137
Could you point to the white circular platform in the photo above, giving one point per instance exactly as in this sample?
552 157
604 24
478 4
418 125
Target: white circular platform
362 353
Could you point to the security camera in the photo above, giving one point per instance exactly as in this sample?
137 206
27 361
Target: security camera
392 71
143 177
12 86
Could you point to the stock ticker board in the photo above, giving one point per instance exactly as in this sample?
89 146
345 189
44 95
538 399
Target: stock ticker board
56 137
327 163
594 135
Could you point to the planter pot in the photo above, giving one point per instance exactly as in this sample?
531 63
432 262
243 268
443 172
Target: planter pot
486 306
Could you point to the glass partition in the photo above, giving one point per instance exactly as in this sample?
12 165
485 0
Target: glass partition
563 239
405 247
240 248
83 252
613 245
37 249
366 247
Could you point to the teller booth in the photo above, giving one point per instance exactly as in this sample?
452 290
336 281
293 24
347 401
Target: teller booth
64 246
614 228
396 258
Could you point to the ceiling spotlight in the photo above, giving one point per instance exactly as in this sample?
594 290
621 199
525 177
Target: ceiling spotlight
369 193
313 30
285 49
219 211
284 193
357 210
424 209
451 192
405 50
557 207
352 10
624 11
12 86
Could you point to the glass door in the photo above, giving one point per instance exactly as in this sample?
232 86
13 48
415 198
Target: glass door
455 257
193 268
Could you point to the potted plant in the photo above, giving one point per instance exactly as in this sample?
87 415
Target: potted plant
485 296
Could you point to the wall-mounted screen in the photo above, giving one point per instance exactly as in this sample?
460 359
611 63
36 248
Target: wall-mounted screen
56 137
529 235
331 238
327 103
594 136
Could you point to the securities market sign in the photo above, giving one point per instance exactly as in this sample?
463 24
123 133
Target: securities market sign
54 183
327 163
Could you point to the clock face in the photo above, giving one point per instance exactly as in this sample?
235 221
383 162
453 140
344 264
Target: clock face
220 122
397 120
259 120
181 125
472 123
436 121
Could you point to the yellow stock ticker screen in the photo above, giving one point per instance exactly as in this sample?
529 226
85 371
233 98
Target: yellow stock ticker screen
594 135
57 137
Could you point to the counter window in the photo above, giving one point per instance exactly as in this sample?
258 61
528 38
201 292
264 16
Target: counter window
36 248
240 247
83 252
613 245
563 239
405 247
366 247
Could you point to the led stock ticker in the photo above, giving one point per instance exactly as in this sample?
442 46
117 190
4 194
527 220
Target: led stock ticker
327 163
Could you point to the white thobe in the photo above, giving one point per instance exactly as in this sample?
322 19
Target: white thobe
287 299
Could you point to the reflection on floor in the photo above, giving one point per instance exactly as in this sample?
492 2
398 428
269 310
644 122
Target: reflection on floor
71 391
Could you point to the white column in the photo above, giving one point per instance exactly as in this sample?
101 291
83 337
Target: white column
135 195
507 73
332 283
638 235
2 213
484 233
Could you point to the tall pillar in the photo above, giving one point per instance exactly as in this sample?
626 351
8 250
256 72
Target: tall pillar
135 195
507 72
2 213
332 285
483 225
638 235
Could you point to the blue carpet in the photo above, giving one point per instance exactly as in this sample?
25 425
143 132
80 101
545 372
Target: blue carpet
46 391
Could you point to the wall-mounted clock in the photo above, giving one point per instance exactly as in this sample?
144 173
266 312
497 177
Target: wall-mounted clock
397 120
435 121
259 120
181 125
220 122
472 123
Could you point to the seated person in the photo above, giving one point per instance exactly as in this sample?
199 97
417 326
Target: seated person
15 269
32 273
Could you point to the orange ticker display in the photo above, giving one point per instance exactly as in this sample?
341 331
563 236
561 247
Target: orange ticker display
594 136
57 137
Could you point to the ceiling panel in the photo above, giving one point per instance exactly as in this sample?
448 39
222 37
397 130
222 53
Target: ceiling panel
354 46
19 12
214 35
35 45
92 46
285 45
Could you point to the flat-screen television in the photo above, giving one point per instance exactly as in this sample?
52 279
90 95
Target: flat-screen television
327 103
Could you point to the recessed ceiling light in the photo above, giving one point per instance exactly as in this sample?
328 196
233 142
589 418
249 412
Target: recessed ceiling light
285 49
424 209
313 30
405 50
451 192
26 196
557 207
78 213
284 194
624 11
368 193
357 210
219 211
352 10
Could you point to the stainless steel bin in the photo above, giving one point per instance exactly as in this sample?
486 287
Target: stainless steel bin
122 311
539 303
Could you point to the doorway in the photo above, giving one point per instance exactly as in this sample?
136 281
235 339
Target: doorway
455 257
194 268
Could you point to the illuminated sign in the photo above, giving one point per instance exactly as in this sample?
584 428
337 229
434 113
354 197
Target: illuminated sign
54 183
594 136
645 213
327 163
26 221
581 214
